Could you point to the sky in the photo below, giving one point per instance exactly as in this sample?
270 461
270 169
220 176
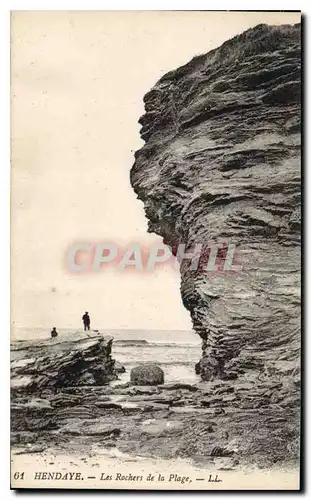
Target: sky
78 81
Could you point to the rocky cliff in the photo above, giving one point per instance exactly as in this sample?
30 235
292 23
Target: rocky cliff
54 364
221 162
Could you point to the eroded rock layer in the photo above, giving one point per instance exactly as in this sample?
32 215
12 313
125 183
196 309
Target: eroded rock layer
221 163
54 364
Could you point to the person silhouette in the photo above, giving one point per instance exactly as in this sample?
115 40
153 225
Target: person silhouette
86 321
54 333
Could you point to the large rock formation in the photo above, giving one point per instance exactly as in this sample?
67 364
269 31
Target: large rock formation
221 162
57 363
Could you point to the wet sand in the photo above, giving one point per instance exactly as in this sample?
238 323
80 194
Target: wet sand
106 469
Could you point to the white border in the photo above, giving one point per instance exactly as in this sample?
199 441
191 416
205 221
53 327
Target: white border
5 7
263 5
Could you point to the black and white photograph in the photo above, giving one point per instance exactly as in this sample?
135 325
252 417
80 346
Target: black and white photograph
156 250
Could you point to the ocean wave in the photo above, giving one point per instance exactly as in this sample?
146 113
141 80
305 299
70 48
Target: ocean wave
129 342
131 363
145 343
173 345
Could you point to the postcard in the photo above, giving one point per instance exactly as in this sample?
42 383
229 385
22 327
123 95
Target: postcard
156 250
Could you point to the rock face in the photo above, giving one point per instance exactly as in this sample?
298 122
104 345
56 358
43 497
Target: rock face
221 162
55 364
147 374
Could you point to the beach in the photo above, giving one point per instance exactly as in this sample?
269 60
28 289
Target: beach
59 409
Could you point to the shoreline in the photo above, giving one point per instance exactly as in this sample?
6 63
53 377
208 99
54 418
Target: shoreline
102 471
234 422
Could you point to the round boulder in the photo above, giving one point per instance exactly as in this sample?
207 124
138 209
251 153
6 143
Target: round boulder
147 374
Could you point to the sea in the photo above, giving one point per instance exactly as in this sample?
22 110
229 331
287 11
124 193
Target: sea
175 351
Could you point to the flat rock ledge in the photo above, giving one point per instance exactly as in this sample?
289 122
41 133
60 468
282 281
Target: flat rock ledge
231 424
56 363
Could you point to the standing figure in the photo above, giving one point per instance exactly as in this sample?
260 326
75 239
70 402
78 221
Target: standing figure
54 333
86 321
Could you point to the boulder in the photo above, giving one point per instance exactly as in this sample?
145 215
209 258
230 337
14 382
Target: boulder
147 374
